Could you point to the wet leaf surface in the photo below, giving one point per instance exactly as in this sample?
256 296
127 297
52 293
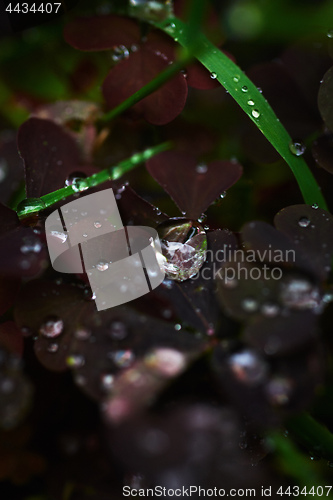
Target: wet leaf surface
192 186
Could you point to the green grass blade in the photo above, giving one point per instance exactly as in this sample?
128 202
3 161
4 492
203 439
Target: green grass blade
245 93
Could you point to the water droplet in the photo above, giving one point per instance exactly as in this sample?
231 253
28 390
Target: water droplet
213 75
184 245
255 113
31 244
299 293
236 78
52 327
82 334
278 390
52 348
166 361
315 206
330 33
249 305
223 195
107 381
117 330
119 53
304 222
297 148
177 327
77 181
62 237
102 266
122 359
155 10
201 168
270 310
97 224
29 205
244 88
250 102
75 361
248 367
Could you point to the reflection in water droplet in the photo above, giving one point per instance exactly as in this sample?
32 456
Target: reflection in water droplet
122 359
297 148
102 266
184 245
304 222
52 327
255 113
117 330
248 367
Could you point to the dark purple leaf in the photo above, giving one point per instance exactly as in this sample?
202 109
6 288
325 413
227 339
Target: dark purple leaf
193 187
11 338
322 151
53 312
281 334
310 229
50 155
22 251
131 74
325 98
8 292
11 167
102 32
134 210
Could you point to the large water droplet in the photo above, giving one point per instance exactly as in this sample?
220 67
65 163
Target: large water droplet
29 205
184 245
52 327
62 237
304 222
244 88
77 181
299 293
255 113
297 148
248 367
250 102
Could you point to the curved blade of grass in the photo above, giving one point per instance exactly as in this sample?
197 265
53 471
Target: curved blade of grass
250 100
112 173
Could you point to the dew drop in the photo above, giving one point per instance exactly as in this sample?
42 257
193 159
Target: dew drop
249 305
248 367
330 33
102 266
255 113
77 181
244 88
122 359
117 330
53 348
304 222
119 53
107 381
270 310
250 102
236 78
201 168
97 224
297 148
62 237
52 327
183 245
213 75
315 206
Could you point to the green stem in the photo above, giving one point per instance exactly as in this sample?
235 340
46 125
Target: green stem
30 206
250 100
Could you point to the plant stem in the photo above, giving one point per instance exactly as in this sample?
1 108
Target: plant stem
113 173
